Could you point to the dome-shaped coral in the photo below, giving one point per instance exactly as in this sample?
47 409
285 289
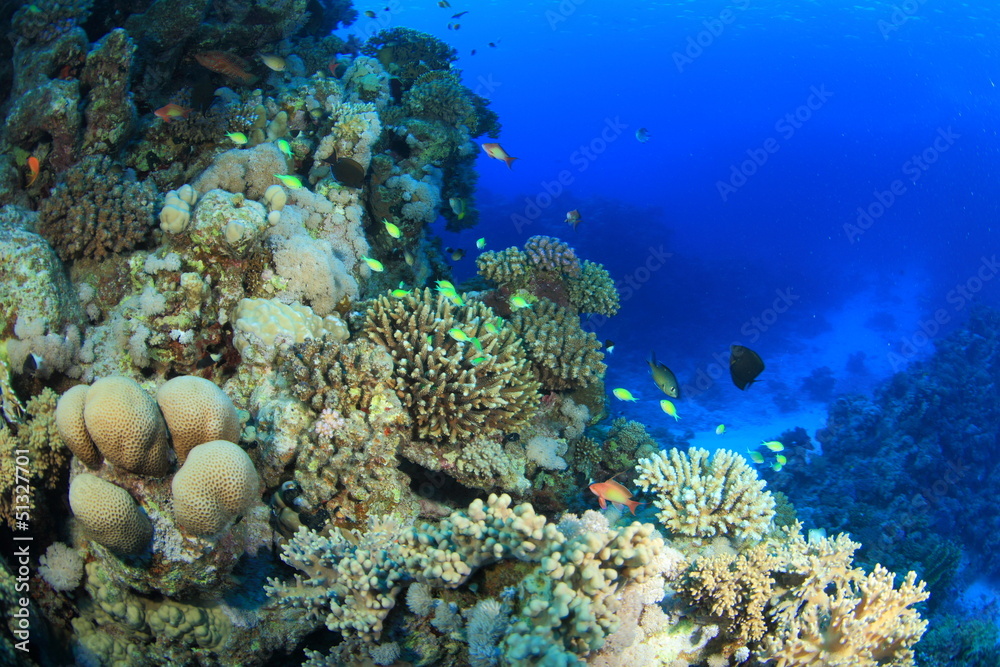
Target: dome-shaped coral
126 425
109 515
217 482
196 412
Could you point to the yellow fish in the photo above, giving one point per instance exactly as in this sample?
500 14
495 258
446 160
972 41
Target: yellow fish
289 181
374 264
276 63
459 335
392 229
670 409
623 394
756 456
663 377
481 243
519 302
237 138
774 445
780 458
284 147
399 293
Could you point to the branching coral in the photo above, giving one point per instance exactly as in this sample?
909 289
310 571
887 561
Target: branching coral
98 210
593 291
703 497
547 253
563 356
453 389
508 268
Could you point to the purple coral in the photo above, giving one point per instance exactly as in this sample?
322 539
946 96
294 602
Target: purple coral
547 253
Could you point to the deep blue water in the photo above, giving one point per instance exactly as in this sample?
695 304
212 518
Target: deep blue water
773 126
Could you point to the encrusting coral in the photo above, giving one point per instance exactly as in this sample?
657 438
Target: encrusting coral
702 497
563 356
453 389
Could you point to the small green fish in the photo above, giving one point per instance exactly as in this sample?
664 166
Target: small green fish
756 456
491 328
374 264
237 138
776 467
392 229
774 445
481 243
720 429
669 408
444 285
34 9
430 339
623 394
409 258
289 181
519 302
476 344
400 293
478 360
780 458
455 299
284 147
459 335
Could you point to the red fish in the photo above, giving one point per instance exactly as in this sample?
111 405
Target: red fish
172 112
35 168
496 152
225 63
614 492
573 218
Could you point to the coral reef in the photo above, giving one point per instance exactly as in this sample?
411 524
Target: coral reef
562 355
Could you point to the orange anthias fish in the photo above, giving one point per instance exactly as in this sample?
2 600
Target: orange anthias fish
614 492
172 112
573 218
35 168
225 63
497 152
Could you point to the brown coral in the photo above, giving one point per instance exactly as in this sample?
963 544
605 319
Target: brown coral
563 356
507 268
548 253
452 389
593 291
98 210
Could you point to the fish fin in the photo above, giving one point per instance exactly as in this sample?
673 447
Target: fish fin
633 505
510 160
602 502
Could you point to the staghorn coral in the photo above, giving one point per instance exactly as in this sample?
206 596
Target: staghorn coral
563 356
702 497
593 291
97 210
448 396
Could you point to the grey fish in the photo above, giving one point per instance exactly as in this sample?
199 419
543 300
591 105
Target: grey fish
664 377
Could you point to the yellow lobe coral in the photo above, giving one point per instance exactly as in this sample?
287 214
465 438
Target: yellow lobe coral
703 497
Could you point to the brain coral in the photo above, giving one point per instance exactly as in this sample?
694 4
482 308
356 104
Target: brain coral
109 515
216 483
73 430
453 389
703 497
196 412
563 356
126 426
97 210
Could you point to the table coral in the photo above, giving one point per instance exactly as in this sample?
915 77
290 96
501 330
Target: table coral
97 210
702 497
563 356
453 389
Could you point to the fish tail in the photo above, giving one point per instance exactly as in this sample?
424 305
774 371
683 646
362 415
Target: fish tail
510 160
633 505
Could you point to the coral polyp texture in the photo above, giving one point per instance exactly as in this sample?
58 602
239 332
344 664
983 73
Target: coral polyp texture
562 354
217 483
707 495
454 389
109 515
